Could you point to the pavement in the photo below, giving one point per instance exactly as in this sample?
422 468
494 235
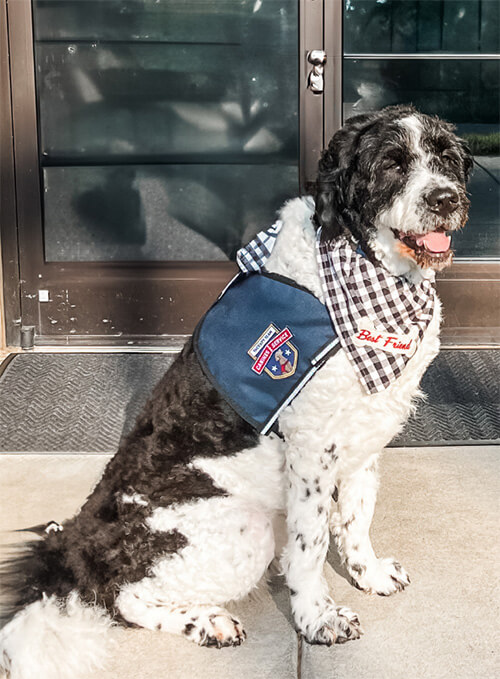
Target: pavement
437 513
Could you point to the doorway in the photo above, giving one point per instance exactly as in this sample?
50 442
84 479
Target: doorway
151 140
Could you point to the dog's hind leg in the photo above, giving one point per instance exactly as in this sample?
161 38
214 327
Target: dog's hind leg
350 526
229 545
204 624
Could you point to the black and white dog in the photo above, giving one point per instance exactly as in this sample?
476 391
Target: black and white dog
183 518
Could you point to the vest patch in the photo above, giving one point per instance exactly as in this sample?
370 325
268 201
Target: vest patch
274 354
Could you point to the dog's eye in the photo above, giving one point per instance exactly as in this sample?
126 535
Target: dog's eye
391 166
450 157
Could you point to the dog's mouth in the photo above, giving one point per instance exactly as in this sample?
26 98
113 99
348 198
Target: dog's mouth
432 249
434 244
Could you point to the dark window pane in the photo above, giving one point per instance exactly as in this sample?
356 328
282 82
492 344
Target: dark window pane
463 92
150 100
254 22
160 212
490 27
460 27
392 26
429 26
168 128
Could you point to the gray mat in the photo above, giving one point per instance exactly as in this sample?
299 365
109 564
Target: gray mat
84 402
74 402
463 400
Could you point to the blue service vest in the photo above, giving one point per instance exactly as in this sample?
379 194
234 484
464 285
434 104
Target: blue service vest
261 341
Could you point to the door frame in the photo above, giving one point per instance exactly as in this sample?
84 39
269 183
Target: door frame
9 263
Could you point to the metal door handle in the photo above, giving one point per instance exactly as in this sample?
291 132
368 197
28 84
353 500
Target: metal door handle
315 79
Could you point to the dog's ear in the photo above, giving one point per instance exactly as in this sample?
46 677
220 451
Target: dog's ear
468 159
333 197
330 200
465 150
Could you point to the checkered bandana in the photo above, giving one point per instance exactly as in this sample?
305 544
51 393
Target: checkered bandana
359 294
254 255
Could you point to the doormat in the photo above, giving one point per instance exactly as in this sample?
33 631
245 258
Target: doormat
86 402
463 401
74 402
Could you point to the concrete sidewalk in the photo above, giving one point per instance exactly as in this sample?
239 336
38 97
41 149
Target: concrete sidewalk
437 513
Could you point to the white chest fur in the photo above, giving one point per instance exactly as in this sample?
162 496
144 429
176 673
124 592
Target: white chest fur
333 408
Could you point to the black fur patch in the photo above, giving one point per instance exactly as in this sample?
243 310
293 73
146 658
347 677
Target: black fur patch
72 561
184 418
108 542
358 568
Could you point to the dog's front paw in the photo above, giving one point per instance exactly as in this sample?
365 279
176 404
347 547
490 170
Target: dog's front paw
335 626
382 576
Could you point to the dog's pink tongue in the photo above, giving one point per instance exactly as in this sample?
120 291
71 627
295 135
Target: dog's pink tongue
436 241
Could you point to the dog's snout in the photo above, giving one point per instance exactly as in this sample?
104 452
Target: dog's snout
442 201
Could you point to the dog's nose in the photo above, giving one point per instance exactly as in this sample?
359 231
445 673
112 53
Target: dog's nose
442 201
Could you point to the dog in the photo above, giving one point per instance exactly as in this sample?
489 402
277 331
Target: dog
183 519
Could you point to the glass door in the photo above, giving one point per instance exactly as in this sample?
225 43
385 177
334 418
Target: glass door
152 139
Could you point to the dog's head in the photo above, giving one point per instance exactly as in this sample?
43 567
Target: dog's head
394 182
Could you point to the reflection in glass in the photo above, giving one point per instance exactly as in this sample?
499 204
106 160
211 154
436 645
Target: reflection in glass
160 212
392 26
137 97
463 92
466 92
157 101
254 22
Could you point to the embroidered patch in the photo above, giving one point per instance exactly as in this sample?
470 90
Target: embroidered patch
274 354
393 343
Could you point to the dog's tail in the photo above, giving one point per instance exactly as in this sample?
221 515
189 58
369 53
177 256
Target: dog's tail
54 639
52 633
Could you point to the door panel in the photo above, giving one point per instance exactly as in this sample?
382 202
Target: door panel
421 26
117 103
146 305
159 212
469 291
152 140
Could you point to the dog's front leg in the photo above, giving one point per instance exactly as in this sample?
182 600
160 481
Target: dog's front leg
311 483
357 493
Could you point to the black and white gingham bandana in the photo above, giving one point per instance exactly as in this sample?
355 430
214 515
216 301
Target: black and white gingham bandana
375 314
380 319
254 255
